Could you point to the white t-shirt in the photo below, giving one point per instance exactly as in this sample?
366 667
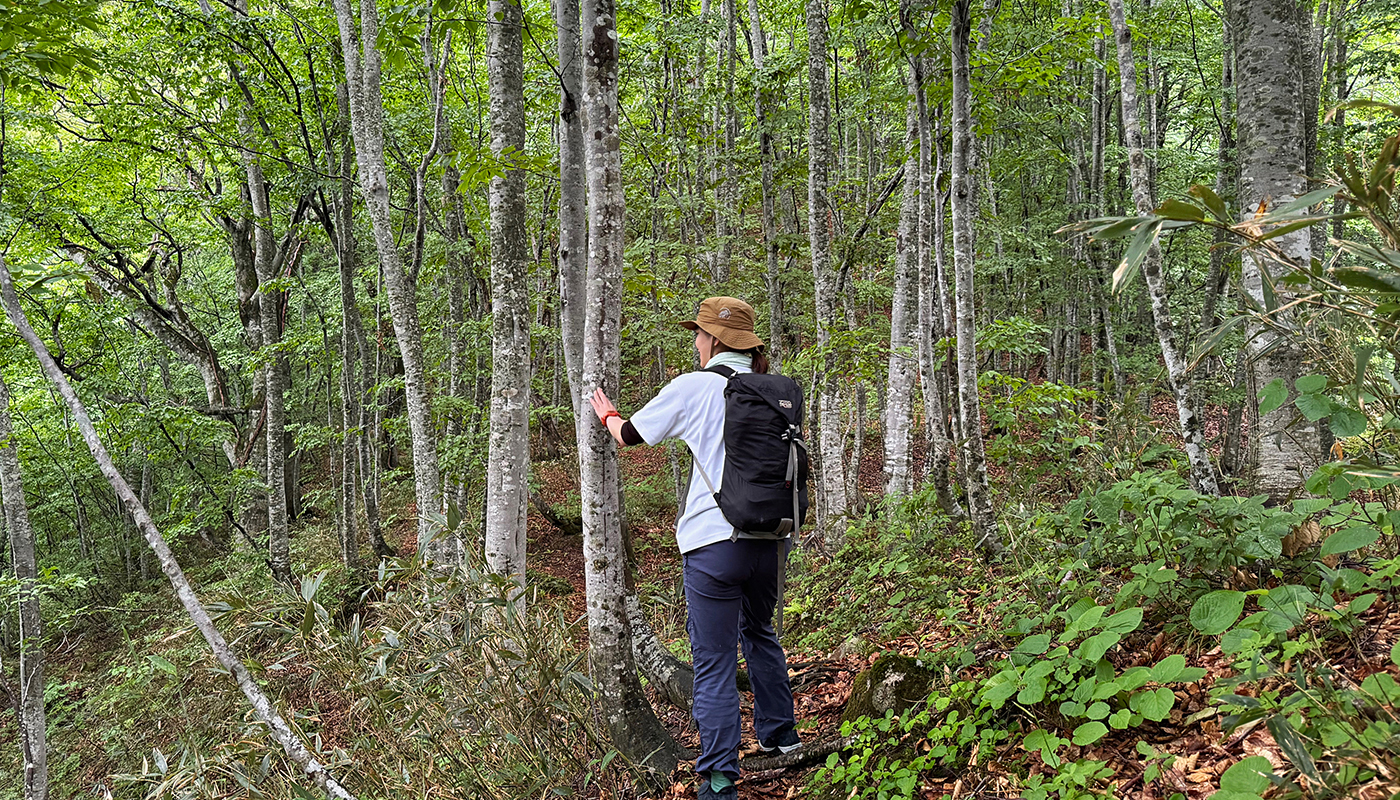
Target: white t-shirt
691 408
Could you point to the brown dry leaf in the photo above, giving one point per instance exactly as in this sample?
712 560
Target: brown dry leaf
1303 538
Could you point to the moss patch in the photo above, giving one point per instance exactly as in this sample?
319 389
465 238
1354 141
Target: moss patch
892 683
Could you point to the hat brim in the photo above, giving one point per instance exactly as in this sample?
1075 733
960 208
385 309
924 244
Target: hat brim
734 340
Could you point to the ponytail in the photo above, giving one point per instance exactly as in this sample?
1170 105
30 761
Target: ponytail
760 359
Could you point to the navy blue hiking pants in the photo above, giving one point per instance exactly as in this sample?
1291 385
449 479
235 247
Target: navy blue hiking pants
731 588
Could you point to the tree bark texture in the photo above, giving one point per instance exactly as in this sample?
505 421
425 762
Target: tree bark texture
278 728
930 297
984 522
899 381
1272 153
508 460
32 727
1192 427
268 268
634 728
573 196
772 274
362 71
831 436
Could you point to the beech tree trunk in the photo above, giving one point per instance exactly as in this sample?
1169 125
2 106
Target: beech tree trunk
573 196
508 461
634 728
362 71
899 382
267 265
1192 427
930 297
263 707
984 523
33 734
758 44
1272 154
831 437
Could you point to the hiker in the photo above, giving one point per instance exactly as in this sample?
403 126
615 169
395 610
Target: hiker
732 583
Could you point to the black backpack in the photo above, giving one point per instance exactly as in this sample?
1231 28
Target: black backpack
763 493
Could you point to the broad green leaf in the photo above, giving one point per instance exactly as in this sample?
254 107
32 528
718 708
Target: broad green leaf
1290 601
1168 668
1134 678
1120 719
1098 710
1350 539
1248 775
1180 210
1046 743
1153 704
1089 732
1034 645
1211 200
1033 693
1346 422
162 664
1272 396
1395 653
1311 384
1124 622
1216 611
1313 406
1095 646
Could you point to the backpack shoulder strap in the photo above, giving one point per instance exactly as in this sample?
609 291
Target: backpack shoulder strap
721 370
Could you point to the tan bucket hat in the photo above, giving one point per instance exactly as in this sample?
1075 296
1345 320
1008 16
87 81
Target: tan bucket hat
728 319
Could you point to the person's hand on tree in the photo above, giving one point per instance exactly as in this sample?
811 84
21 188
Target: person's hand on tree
603 407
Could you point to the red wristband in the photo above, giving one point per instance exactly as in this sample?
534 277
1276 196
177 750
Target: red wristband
608 415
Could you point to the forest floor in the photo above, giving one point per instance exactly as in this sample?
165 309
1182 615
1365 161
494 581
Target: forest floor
162 705
823 680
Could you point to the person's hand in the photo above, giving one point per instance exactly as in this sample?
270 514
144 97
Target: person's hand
602 406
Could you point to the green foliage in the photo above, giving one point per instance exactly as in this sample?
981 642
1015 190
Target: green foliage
1038 430
901 561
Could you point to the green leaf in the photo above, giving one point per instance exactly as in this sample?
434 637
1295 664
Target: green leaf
1293 747
1093 648
1350 539
1211 200
1145 237
1124 622
163 665
1034 645
1395 653
1046 743
1168 668
1248 775
1180 210
1313 406
1153 704
1120 719
1311 384
1098 710
1089 732
1134 678
1216 611
1033 693
1272 397
1346 422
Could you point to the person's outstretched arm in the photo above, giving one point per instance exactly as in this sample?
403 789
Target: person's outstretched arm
620 428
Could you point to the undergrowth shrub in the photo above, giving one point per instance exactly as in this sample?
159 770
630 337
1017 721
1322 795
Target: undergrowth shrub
891 573
1282 590
436 686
